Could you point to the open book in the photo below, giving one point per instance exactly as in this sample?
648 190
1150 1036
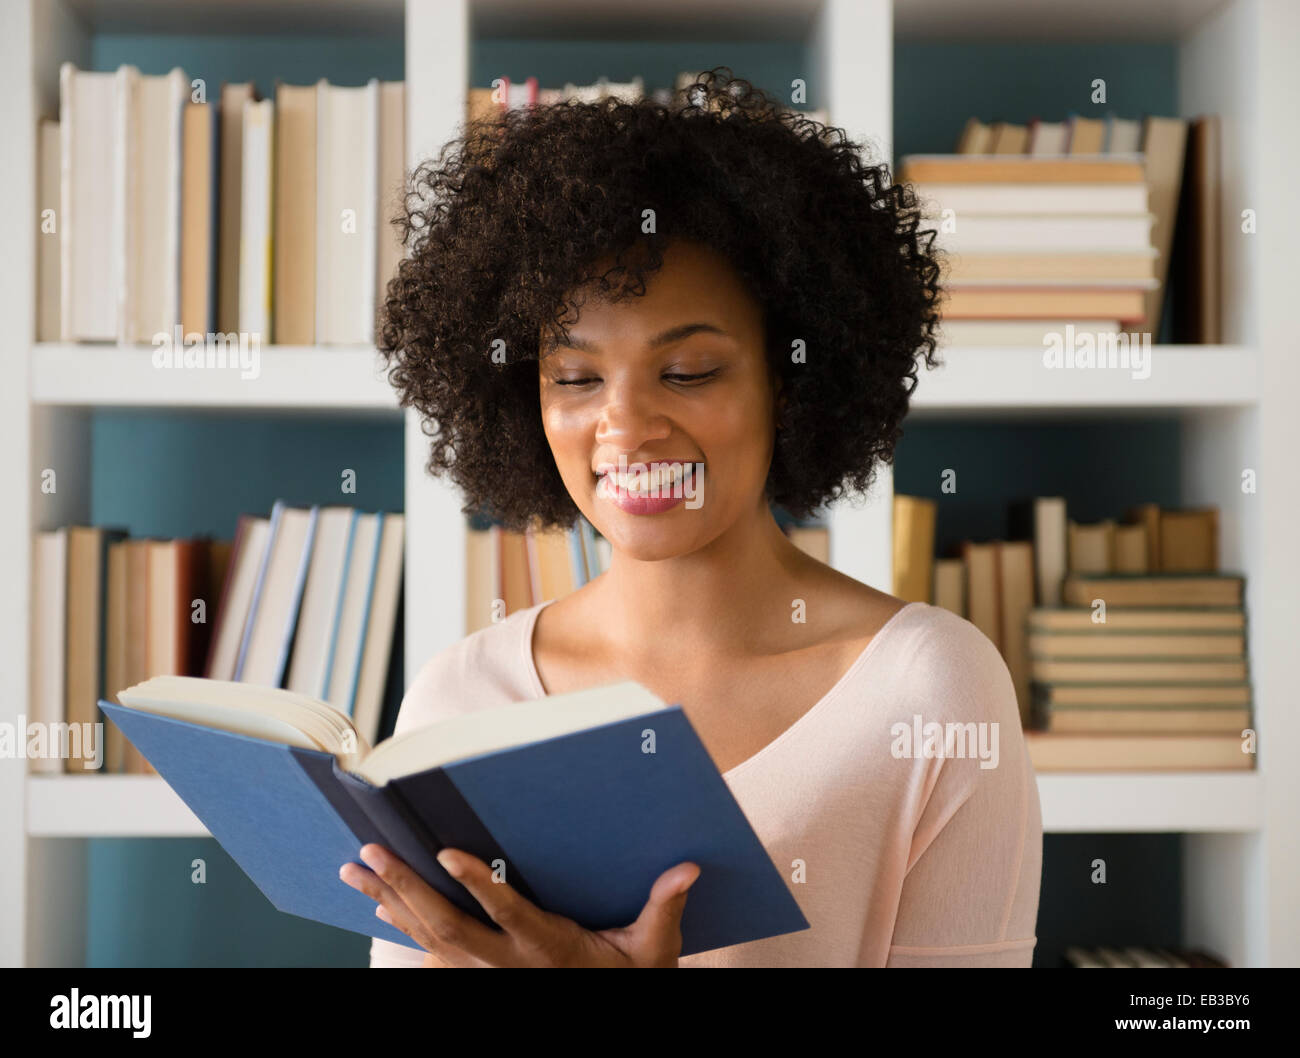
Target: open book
586 798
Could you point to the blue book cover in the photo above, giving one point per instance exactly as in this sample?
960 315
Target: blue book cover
338 605
584 823
372 562
276 511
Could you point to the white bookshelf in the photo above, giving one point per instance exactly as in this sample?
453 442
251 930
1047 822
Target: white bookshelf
285 377
1241 864
144 806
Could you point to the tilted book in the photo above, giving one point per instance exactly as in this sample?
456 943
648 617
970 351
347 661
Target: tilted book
586 798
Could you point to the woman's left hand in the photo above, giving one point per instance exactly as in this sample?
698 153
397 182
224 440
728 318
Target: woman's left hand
529 936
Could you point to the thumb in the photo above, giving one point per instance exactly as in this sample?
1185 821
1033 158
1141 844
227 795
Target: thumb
659 924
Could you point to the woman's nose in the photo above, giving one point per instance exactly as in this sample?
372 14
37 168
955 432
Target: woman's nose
630 417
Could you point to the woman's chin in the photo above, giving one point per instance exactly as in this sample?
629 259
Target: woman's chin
650 538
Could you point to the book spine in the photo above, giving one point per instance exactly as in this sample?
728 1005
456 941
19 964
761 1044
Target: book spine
400 830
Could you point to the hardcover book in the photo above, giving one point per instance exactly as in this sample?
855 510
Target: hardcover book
584 798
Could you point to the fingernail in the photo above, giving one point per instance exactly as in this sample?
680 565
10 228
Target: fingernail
373 856
449 862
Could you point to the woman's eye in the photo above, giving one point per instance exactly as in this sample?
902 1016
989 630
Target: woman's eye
574 381
692 379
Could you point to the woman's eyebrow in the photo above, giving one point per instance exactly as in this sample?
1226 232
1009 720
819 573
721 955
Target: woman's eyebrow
673 334
685 330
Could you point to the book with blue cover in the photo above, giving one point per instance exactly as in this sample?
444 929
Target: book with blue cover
585 797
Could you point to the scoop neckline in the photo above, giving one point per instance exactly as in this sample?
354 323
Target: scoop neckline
534 677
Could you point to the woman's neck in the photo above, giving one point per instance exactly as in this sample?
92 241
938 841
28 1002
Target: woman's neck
724 599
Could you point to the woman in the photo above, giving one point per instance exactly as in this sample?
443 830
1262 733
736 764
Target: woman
728 291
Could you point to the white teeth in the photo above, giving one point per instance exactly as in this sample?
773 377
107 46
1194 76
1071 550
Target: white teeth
650 479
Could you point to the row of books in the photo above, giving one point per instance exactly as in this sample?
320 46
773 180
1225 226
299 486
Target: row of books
307 599
1072 224
505 94
1140 958
1153 677
1151 539
506 571
165 213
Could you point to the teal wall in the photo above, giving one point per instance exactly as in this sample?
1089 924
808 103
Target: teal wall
1101 468
938 86
174 474
262 59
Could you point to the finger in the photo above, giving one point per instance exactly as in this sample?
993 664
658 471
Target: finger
392 909
658 929
517 915
445 926
398 915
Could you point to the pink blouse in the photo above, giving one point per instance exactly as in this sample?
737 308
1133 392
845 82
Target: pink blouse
901 809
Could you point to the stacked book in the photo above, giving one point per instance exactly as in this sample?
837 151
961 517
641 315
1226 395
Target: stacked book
1164 656
1072 224
1141 671
1039 244
304 599
215 219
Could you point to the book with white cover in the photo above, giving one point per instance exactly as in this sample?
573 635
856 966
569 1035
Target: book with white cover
90 204
347 200
353 612
392 172
255 220
321 596
151 112
377 646
1016 332
274 610
1025 198
1058 232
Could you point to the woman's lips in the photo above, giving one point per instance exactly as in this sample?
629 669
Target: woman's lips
662 489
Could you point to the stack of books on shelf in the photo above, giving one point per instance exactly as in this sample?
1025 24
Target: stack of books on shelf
507 571
1125 643
1067 229
505 94
238 216
307 599
1140 958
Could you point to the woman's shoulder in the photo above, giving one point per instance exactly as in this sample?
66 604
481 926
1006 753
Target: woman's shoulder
932 655
487 668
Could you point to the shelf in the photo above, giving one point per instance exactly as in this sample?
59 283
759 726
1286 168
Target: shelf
286 377
1016 380
1188 802
107 806
1196 802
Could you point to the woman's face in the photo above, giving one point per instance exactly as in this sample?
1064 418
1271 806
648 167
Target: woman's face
673 389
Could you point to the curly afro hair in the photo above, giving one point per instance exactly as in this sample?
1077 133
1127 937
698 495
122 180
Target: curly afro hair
516 216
